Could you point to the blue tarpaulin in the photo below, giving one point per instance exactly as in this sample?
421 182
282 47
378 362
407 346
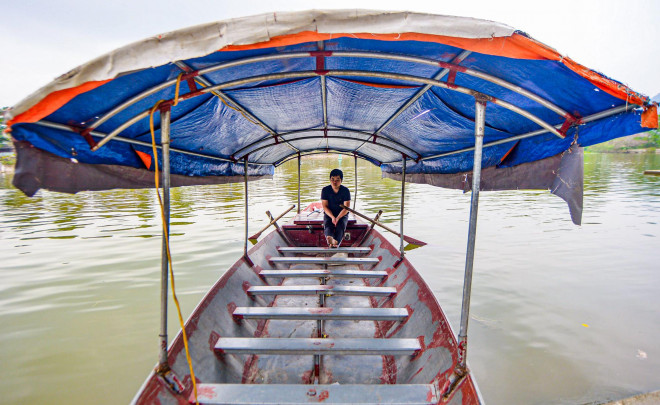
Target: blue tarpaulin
380 86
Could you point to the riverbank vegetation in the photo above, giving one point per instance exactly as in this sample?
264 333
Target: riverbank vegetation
6 159
639 143
4 138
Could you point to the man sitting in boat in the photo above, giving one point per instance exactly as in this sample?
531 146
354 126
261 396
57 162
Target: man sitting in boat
335 218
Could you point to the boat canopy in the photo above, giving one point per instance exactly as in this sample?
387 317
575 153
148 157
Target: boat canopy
381 86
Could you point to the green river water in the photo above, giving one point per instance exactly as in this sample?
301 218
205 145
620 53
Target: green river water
560 313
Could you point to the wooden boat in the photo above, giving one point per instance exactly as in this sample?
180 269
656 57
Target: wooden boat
234 99
307 323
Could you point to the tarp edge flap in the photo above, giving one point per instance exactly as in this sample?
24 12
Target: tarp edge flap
561 174
36 169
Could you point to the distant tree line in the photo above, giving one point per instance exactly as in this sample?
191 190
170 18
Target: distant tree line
4 138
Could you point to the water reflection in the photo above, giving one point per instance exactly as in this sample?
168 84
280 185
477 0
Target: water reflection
81 272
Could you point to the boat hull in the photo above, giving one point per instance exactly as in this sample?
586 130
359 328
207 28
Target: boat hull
214 319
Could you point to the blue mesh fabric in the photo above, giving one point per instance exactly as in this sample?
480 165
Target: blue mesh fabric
440 121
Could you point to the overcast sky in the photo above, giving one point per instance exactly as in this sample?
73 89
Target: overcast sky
41 39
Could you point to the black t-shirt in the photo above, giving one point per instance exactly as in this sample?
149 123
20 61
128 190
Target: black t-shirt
334 199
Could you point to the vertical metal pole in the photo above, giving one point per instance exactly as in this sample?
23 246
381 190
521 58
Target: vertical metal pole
403 195
480 119
245 246
298 182
356 184
165 143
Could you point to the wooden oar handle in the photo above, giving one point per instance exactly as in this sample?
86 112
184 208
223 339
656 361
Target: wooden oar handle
370 220
256 235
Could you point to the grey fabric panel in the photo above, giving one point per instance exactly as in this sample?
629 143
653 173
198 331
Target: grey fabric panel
569 181
562 174
37 169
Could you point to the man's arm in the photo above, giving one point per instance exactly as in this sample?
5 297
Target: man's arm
344 211
326 209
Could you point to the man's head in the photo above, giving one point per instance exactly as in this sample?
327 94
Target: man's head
336 176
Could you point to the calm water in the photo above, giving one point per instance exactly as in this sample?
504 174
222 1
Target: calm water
560 313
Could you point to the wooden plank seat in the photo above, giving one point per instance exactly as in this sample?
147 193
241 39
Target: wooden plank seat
324 250
311 346
321 289
326 313
326 393
323 273
325 260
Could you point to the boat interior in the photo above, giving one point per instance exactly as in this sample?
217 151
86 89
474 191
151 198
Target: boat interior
306 323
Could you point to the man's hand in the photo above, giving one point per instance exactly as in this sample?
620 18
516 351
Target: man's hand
334 221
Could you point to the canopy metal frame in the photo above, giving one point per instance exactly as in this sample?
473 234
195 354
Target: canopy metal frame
225 97
320 152
328 137
297 55
327 132
585 120
344 73
451 68
457 60
97 134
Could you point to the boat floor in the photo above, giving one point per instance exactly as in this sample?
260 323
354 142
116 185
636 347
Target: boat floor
350 357
333 368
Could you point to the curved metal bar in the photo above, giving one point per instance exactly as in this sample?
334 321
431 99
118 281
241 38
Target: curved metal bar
223 97
423 90
337 152
461 69
204 71
373 55
392 76
97 134
458 59
304 138
459 89
340 73
120 129
403 148
417 95
590 118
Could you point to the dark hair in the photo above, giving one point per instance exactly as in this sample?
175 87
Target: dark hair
337 172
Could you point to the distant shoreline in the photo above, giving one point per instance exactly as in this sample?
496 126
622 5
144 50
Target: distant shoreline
9 160
626 151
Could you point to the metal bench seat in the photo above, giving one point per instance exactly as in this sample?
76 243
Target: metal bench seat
321 289
324 260
323 273
328 394
326 313
310 346
322 250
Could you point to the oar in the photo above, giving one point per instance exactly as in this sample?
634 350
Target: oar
256 236
413 243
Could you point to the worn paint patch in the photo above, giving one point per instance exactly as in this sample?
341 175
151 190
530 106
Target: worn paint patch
324 395
321 310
